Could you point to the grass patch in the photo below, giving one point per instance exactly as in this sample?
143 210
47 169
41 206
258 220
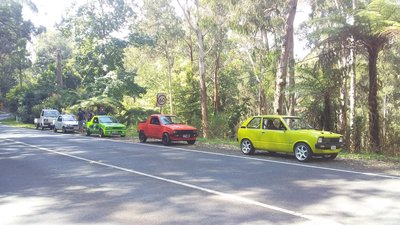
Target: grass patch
369 156
13 123
217 141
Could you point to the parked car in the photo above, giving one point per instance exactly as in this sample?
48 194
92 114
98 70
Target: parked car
287 134
46 119
105 126
66 123
168 128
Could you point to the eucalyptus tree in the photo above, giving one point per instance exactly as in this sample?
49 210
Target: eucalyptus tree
286 52
161 23
14 36
258 25
194 21
95 27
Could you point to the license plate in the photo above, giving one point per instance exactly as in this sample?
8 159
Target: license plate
333 147
186 136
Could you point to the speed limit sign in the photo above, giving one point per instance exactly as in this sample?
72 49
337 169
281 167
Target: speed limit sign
161 99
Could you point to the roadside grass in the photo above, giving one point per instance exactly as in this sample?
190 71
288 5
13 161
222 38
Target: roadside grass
13 123
371 156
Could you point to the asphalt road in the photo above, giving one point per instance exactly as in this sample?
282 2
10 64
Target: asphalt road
48 178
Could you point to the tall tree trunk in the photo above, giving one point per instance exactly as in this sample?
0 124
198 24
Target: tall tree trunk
352 92
59 69
216 97
327 114
373 101
170 62
202 71
280 80
291 81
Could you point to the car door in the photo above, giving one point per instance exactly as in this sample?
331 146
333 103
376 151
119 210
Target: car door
58 123
154 128
94 126
275 135
254 132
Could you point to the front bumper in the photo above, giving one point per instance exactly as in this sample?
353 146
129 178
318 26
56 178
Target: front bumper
115 132
328 146
183 137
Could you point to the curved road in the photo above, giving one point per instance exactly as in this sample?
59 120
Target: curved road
48 178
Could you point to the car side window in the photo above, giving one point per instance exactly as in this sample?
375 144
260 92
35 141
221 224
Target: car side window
273 124
155 121
254 123
59 118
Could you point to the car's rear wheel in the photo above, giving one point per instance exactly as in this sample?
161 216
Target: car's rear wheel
191 142
55 129
330 157
142 137
302 152
88 132
247 147
37 126
165 139
64 130
101 133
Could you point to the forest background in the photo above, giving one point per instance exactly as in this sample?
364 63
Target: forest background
219 62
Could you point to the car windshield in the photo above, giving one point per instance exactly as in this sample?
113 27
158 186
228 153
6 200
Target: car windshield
295 123
108 119
52 113
170 120
69 118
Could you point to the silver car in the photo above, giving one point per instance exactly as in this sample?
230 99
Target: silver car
66 123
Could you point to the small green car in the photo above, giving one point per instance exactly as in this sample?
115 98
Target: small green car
287 134
105 126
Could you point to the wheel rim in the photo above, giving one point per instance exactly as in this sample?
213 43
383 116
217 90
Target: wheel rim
246 146
165 139
302 152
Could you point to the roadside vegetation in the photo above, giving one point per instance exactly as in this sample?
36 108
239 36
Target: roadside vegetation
219 62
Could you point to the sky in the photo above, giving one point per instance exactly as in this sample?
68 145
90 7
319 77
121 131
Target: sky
51 12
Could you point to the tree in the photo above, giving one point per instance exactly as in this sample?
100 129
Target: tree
194 23
286 48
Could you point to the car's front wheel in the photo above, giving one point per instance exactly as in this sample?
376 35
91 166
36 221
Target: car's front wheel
191 142
302 152
247 147
64 130
101 133
142 137
87 132
166 140
55 129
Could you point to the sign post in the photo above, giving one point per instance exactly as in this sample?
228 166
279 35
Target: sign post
161 100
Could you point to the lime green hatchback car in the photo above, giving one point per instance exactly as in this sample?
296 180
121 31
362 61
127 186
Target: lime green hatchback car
105 126
287 134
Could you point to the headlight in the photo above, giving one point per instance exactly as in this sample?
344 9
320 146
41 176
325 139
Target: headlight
320 140
341 139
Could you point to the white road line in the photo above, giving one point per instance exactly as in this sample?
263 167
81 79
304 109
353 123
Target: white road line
278 162
229 197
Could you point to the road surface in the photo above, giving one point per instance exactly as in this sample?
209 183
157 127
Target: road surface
49 178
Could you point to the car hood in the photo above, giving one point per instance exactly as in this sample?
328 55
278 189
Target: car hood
318 133
70 122
113 124
180 127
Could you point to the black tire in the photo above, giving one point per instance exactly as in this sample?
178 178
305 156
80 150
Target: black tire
330 157
191 142
42 127
247 147
55 130
142 137
64 130
166 140
87 132
302 152
122 135
101 133
37 126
